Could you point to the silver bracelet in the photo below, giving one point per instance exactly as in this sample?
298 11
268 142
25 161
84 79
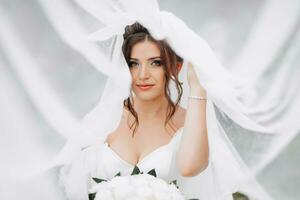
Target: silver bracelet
196 97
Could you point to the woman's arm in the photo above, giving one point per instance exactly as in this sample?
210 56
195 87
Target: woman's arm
193 153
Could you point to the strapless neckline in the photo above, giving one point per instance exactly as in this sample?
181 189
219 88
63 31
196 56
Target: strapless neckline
153 152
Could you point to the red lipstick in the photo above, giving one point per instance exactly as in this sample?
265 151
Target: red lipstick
145 87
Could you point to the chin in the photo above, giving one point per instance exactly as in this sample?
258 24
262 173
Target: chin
146 96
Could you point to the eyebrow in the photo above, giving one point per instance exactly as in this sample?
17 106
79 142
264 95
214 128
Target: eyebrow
147 59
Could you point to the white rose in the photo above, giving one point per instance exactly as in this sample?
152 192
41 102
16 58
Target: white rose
144 191
124 191
119 181
99 186
136 187
176 195
140 180
104 194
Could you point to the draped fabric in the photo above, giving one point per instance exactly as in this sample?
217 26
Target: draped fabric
54 82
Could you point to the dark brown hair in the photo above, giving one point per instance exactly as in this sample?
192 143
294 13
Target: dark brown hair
136 33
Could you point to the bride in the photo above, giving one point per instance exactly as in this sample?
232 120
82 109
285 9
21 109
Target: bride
151 113
151 121
165 105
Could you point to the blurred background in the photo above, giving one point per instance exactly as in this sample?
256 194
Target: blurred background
48 82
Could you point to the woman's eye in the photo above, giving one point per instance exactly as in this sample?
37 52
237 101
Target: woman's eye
132 64
156 63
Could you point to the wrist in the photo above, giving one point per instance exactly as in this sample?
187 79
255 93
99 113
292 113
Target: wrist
198 92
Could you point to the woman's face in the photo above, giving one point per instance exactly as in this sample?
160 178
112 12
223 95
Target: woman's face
147 71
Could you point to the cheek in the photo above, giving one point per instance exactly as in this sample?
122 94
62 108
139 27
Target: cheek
160 79
133 74
161 76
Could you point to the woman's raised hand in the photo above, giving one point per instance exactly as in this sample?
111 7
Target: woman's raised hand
194 83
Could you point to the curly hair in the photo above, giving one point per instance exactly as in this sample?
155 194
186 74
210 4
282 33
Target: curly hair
136 33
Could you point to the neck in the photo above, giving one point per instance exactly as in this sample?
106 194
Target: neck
156 108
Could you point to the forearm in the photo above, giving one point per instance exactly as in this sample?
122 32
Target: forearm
193 151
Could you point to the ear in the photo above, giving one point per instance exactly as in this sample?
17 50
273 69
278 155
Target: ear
179 66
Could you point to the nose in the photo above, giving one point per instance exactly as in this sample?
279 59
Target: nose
143 72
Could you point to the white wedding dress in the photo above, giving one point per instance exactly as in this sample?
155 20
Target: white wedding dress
226 172
101 161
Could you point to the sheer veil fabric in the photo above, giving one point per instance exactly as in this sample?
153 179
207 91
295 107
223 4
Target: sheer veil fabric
227 110
226 171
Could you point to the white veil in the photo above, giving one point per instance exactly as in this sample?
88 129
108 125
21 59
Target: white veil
226 172
227 111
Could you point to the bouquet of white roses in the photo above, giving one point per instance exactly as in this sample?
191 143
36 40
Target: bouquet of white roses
140 186
137 186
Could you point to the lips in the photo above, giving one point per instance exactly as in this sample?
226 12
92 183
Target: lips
145 86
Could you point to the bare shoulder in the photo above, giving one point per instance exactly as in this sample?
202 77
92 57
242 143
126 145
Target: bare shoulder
122 128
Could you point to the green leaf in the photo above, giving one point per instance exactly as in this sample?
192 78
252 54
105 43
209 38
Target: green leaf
239 196
98 180
175 183
135 171
92 196
152 172
118 174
